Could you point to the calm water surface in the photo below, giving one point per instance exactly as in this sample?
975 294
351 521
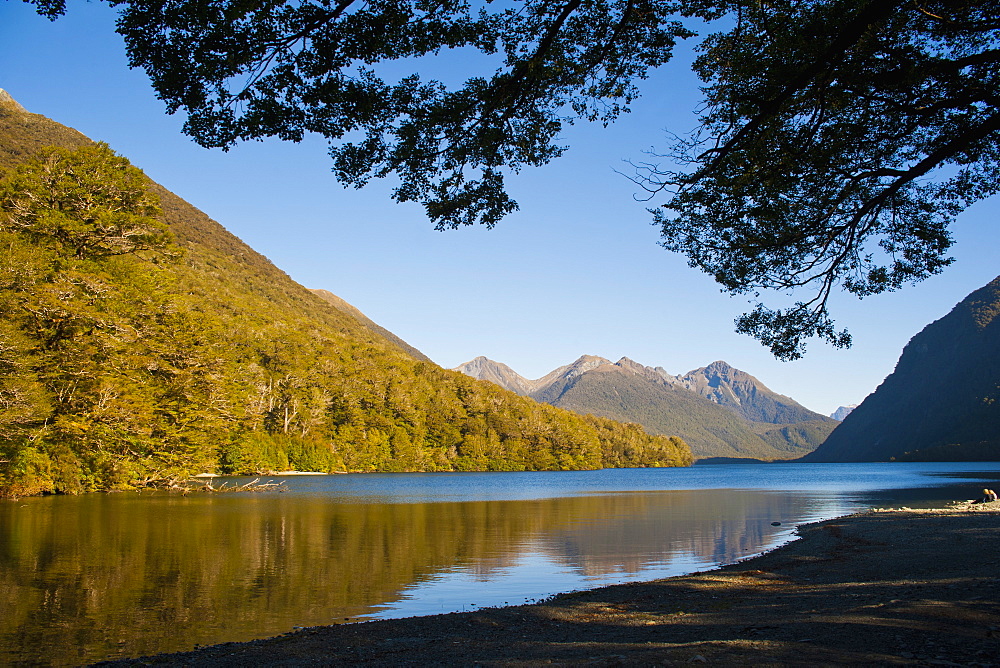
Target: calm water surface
119 575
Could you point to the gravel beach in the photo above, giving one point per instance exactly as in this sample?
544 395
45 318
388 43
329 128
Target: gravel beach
885 587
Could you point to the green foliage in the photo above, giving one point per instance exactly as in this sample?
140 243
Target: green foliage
982 451
126 362
89 201
24 469
839 140
796 440
23 400
84 303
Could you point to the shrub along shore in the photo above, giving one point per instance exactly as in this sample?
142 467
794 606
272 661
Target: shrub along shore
887 587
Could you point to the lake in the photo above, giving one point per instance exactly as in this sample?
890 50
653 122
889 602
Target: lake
122 575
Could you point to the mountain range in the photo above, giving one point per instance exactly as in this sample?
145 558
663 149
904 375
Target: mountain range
942 400
141 342
719 411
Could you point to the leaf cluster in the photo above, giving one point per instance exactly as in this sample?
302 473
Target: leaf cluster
839 140
286 69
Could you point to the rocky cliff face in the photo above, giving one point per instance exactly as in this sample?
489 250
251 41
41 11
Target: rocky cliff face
942 401
9 103
745 395
842 412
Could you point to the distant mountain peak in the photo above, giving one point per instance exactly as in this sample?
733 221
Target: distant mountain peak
483 368
481 362
589 361
744 394
627 363
583 364
842 412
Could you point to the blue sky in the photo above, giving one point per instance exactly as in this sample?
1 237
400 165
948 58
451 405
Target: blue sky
576 271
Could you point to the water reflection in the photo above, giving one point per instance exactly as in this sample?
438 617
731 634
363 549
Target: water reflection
124 575
84 578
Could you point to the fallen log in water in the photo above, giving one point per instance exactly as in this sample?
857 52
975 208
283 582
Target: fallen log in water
254 485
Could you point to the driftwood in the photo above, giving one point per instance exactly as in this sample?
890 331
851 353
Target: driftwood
185 487
254 485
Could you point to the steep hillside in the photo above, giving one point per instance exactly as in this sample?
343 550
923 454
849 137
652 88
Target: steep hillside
356 313
718 410
942 401
141 342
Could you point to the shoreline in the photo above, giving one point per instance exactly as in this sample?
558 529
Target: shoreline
883 587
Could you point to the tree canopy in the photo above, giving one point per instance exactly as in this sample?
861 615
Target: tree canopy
252 70
838 142
89 201
838 139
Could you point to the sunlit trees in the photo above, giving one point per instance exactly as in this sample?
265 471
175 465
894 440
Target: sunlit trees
89 203
81 297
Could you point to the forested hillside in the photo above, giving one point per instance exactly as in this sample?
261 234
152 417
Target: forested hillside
140 342
942 401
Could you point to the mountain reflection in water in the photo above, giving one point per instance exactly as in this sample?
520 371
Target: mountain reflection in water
124 575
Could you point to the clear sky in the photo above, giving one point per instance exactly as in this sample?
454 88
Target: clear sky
576 271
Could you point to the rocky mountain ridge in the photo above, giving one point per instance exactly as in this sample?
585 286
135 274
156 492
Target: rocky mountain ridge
10 104
719 410
342 305
727 386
